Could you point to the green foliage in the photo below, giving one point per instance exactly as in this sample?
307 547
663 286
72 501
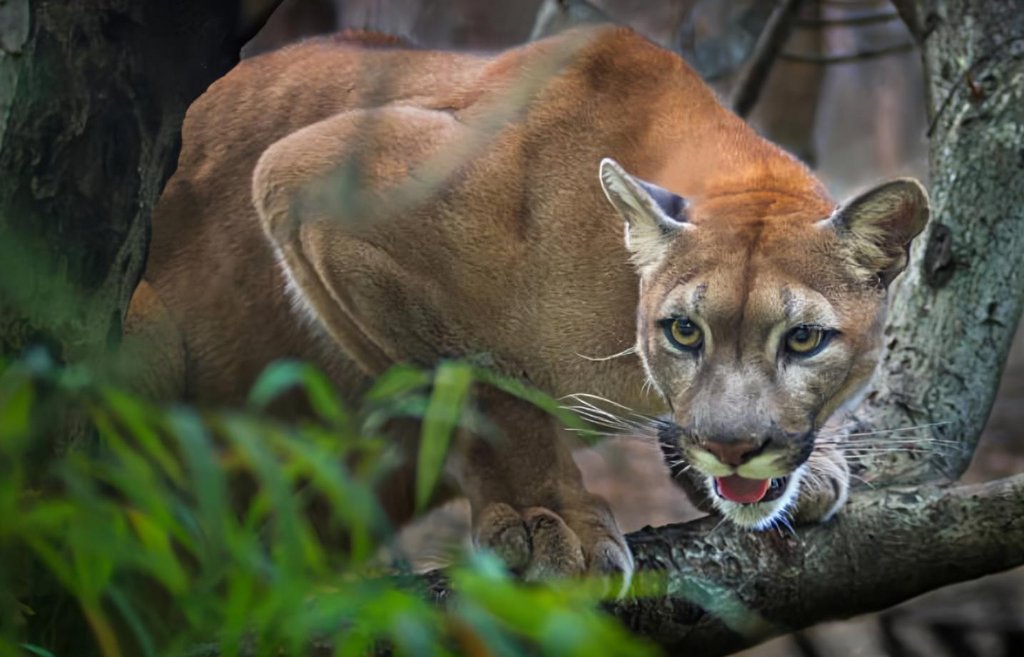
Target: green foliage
194 533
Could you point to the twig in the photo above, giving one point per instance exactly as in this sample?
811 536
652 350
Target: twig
851 21
825 60
755 73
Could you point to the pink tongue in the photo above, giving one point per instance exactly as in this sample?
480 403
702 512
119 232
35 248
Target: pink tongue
744 491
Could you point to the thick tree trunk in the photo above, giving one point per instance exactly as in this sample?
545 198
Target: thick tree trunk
92 96
954 316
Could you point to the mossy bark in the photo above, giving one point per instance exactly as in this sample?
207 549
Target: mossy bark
92 96
955 313
723 589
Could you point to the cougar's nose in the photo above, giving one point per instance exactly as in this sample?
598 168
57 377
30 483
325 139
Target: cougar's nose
736 453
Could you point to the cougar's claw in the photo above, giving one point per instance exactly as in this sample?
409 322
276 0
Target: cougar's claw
539 543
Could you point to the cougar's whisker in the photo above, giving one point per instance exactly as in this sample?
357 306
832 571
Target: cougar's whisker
598 359
872 449
862 480
784 520
888 440
609 421
582 397
878 432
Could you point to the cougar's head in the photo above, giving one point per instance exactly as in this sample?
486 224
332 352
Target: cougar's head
759 315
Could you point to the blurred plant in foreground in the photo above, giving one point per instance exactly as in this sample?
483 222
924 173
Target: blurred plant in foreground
147 535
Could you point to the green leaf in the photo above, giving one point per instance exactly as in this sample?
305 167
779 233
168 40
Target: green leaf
398 381
138 421
452 382
128 612
208 481
284 375
35 650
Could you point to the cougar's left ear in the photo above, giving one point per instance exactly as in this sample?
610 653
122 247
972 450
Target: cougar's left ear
654 216
877 227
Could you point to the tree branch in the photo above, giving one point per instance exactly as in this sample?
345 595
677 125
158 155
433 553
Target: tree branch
846 58
848 21
722 588
755 73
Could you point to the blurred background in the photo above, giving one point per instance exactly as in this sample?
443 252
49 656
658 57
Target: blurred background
845 94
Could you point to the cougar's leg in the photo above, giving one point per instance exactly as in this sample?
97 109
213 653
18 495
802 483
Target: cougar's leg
824 486
528 500
152 358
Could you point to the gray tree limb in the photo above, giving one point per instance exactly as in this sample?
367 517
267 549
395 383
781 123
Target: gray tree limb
956 311
718 588
726 588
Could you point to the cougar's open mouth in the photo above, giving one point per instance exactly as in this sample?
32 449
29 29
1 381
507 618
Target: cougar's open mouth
749 491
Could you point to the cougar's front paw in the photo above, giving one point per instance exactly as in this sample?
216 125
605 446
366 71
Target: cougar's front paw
824 487
539 543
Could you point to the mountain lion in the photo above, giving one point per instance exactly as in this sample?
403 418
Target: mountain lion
579 212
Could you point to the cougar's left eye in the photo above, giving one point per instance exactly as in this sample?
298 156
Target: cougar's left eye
683 334
806 340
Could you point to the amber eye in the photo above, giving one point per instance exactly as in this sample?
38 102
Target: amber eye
684 334
805 340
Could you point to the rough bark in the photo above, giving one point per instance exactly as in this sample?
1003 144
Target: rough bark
954 315
726 589
718 589
92 96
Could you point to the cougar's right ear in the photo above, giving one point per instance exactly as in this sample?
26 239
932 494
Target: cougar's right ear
654 216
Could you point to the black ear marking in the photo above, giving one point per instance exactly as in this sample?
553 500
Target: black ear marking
672 204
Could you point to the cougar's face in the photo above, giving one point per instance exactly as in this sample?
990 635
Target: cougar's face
753 350
757 319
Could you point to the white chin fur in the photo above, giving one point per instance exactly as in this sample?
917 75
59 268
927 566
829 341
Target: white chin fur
760 515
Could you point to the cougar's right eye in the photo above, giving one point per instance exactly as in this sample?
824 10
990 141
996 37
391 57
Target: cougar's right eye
683 334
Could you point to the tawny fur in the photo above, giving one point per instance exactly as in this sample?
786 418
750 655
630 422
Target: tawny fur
424 205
